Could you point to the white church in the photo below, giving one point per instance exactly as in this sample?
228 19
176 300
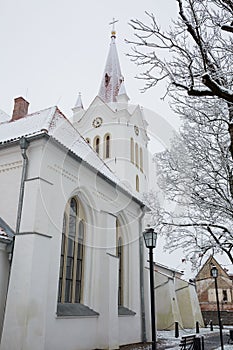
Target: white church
72 258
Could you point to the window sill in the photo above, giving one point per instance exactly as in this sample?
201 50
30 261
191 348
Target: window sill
75 310
124 311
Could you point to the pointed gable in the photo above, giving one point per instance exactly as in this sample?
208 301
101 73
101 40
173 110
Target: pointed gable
112 77
204 272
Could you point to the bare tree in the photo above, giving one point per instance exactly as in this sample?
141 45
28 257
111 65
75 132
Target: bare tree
194 56
196 175
200 55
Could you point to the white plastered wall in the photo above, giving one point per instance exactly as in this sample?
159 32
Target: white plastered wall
32 299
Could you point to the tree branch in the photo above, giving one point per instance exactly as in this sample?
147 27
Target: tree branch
217 89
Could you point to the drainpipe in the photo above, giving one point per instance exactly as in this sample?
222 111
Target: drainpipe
142 290
24 143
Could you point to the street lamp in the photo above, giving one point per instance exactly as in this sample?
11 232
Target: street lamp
214 274
150 238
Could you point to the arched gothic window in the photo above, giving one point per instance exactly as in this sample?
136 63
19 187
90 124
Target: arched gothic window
107 141
72 249
137 183
132 150
97 144
141 159
119 253
136 154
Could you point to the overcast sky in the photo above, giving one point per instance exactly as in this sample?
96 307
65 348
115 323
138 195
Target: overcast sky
52 49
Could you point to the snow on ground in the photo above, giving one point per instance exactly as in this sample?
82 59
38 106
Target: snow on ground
166 339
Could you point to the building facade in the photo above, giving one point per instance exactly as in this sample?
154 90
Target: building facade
72 263
71 253
206 292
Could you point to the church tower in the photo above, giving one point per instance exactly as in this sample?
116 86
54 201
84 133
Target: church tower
115 129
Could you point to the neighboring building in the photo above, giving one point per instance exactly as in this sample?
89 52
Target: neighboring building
207 294
176 300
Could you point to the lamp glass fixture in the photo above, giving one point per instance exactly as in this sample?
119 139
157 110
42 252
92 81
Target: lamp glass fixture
150 237
214 272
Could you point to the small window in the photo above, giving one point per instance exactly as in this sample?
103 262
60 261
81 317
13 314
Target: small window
136 155
97 144
79 267
119 253
137 183
132 150
224 293
120 272
88 140
141 159
107 146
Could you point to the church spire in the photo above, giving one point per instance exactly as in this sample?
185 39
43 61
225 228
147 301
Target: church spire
79 103
112 77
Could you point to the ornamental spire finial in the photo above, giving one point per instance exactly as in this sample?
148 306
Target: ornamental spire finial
113 32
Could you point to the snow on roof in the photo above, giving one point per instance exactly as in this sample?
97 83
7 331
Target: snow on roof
52 122
4 116
29 125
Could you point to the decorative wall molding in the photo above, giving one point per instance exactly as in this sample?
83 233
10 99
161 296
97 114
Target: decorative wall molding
10 166
105 197
58 169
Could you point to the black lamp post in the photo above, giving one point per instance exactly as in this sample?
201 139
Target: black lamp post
214 274
150 237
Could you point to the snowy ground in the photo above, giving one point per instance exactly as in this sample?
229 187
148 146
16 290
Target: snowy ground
166 340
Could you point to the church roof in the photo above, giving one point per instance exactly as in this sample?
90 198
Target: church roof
3 116
112 77
52 122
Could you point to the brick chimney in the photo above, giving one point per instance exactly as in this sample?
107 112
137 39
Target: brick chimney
20 108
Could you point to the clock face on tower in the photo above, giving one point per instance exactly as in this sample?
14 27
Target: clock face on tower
97 122
136 129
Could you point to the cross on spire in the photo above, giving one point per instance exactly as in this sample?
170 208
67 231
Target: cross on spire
113 32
